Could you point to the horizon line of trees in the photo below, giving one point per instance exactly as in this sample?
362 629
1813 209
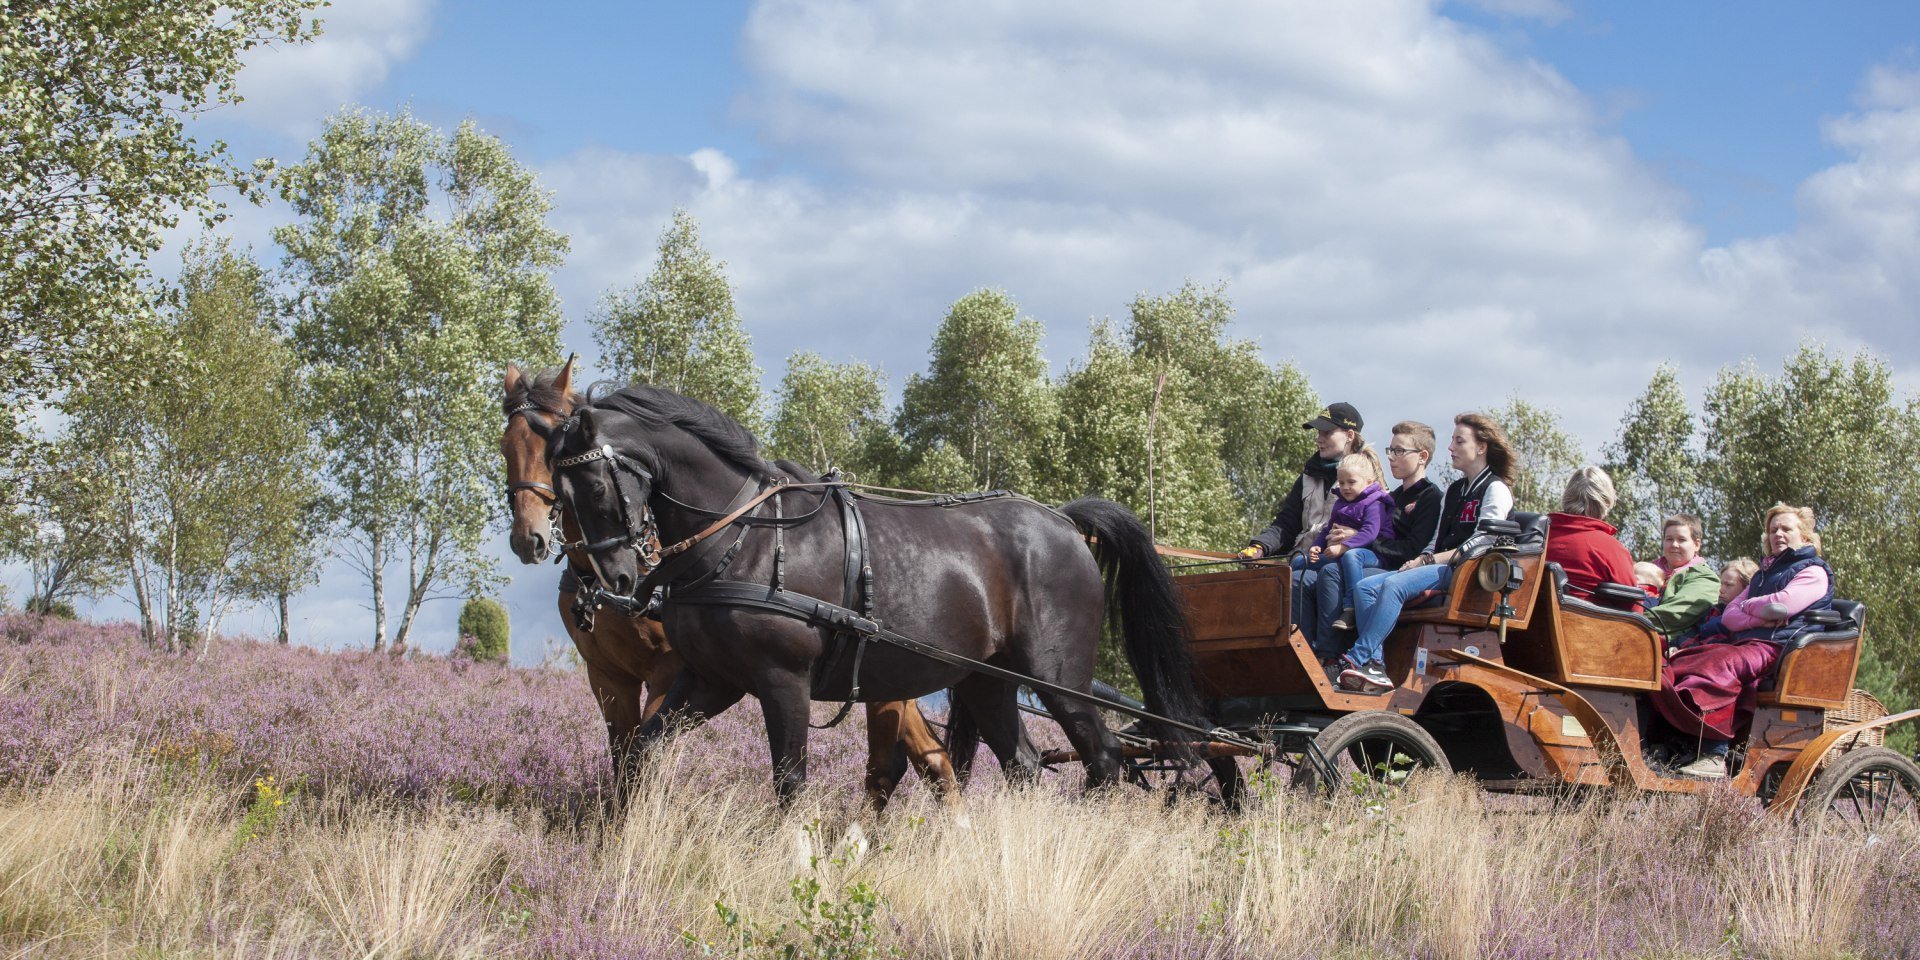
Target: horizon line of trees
227 433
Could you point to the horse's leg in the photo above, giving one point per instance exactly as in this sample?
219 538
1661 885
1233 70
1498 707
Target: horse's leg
615 690
886 751
691 701
1099 749
664 666
787 703
925 750
996 713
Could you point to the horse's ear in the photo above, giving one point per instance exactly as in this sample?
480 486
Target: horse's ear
511 380
564 382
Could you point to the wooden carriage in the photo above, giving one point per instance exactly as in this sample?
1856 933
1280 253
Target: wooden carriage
1513 680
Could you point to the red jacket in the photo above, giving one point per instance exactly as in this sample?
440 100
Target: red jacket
1587 550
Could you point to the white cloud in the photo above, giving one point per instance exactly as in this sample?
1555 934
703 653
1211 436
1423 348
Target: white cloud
291 90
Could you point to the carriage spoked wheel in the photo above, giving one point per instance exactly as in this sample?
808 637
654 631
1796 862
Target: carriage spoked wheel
1372 748
1871 787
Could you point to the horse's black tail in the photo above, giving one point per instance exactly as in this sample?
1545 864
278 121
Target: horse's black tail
963 739
1153 627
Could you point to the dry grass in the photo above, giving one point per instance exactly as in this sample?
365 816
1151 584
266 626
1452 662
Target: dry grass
110 862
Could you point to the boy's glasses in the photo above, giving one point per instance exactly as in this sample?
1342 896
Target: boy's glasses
1401 451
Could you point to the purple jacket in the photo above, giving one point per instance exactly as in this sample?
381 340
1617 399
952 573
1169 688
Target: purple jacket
1371 516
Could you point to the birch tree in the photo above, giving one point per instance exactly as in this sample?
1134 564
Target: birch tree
678 328
423 266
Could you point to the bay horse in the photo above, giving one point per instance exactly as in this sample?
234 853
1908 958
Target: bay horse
624 654
992 577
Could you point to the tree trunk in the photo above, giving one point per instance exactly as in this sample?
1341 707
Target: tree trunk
283 638
172 606
141 598
377 561
419 583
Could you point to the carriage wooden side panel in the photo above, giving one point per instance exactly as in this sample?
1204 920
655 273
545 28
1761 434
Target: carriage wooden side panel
1240 621
1819 674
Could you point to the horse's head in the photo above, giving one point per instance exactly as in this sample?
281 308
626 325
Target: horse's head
604 473
534 406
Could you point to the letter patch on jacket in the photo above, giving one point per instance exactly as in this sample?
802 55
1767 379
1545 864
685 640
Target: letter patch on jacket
1470 512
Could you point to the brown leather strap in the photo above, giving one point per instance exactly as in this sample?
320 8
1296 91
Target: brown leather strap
774 485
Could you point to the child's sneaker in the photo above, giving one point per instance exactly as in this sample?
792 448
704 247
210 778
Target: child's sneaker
1369 678
1345 620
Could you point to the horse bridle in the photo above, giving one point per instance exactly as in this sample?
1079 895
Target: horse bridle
556 535
639 530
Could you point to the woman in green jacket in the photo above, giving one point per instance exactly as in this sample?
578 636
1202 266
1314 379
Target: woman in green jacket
1692 586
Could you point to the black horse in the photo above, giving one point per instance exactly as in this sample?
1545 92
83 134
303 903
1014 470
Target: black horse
1004 580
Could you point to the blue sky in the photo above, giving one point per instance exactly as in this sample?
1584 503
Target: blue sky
1502 197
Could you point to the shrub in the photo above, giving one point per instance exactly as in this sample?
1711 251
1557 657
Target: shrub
58 609
484 619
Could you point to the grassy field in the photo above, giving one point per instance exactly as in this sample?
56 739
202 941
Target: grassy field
276 802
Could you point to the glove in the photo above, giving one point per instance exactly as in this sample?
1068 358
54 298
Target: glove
1253 552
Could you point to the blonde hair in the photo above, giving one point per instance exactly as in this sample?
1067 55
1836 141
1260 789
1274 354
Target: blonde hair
1366 462
1805 514
1744 568
1589 493
1651 571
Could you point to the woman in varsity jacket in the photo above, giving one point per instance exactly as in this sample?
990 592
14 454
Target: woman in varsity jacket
1480 451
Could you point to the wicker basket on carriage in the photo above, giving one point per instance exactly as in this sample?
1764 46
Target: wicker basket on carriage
1861 706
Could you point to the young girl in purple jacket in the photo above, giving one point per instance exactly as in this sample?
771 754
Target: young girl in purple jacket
1363 507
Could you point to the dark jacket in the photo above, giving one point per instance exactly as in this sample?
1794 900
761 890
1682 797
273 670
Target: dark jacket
1283 535
1416 514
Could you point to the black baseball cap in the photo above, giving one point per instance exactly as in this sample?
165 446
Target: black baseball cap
1336 416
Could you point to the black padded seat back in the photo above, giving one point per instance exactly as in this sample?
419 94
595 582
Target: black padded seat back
1559 577
1573 604
1854 610
1533 526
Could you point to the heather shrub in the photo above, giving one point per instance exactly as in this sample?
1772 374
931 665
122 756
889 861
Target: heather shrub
485 621
268 801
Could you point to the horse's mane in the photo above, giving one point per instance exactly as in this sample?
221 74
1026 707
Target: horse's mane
657 407
539 389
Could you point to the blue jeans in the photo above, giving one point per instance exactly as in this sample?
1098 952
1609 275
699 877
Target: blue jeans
1379 599
1324 592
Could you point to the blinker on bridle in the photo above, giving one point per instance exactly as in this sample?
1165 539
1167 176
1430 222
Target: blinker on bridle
641 531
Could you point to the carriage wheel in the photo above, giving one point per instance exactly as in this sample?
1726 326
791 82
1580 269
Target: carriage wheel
1372 748
1870 787
1218 780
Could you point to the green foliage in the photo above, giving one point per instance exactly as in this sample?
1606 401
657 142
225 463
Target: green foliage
1132 429
678 329
55 608
984 406
827 924
1653 462
97 165
424 266
188 489
1827 432
1226 378
1546 452
485 620
832 415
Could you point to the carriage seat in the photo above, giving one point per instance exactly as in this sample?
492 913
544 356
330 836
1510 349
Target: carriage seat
1840 628
1570 602
1529 540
